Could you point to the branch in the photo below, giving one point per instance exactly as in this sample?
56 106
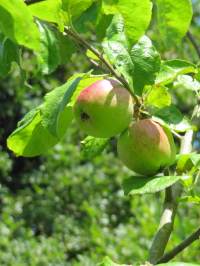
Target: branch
194 43
169 209
184 244
85 44
30 2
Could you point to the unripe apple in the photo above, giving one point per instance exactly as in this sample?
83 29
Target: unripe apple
104 109
146 147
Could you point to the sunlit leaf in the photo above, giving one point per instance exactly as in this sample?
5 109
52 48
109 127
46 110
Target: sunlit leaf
146 62
31 138
159 97
91 147
9 52
173 19
17 23
108 262
49 10
142 185
170 69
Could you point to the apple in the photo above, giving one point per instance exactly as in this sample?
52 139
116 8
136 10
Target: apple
146 147
104 109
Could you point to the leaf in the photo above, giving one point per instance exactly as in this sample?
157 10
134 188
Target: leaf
142 185
137 16
116 49
146 62
186 82
159 97
17 23
109 7
31 138
48 56
91 147
119 57
74 8
61 100
49 10
173 19
54 106
9 52
170 69
66 48
55 49
170 114
178 264
187 161
190 199
108 262
184 163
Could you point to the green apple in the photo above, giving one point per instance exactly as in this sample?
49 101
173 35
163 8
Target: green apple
146 147
104 109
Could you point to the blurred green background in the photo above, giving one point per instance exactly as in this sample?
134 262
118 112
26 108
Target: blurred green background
59 209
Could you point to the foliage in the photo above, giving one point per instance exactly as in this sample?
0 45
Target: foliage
67 207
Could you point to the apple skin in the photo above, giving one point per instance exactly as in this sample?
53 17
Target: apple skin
146 147
104 109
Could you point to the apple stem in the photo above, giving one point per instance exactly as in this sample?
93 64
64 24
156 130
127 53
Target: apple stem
85 44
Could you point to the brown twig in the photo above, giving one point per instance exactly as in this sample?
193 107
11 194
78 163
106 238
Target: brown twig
194 43
85 44
184 244
30 2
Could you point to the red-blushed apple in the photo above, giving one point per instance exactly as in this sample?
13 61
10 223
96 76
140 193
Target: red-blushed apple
104 109
146 147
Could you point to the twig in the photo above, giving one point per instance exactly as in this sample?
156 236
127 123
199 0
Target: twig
169 209
30 2
84 43
184 244
194 43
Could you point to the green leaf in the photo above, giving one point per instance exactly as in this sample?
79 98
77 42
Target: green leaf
187 161
9 52
137 16
136 23
74 8
170 114
56 104
142 185
179 264
108 262
115 31
49 10
116 49
170 69
91 147
31 138
109 7
120 58
186 82
17 23
184 163
66 48
190 199
55 49
173 19
48 56
146 62
159 97
59 102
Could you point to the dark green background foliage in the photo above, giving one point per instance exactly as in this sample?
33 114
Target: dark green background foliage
62 209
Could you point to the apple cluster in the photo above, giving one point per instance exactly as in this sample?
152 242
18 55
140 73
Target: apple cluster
106 109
